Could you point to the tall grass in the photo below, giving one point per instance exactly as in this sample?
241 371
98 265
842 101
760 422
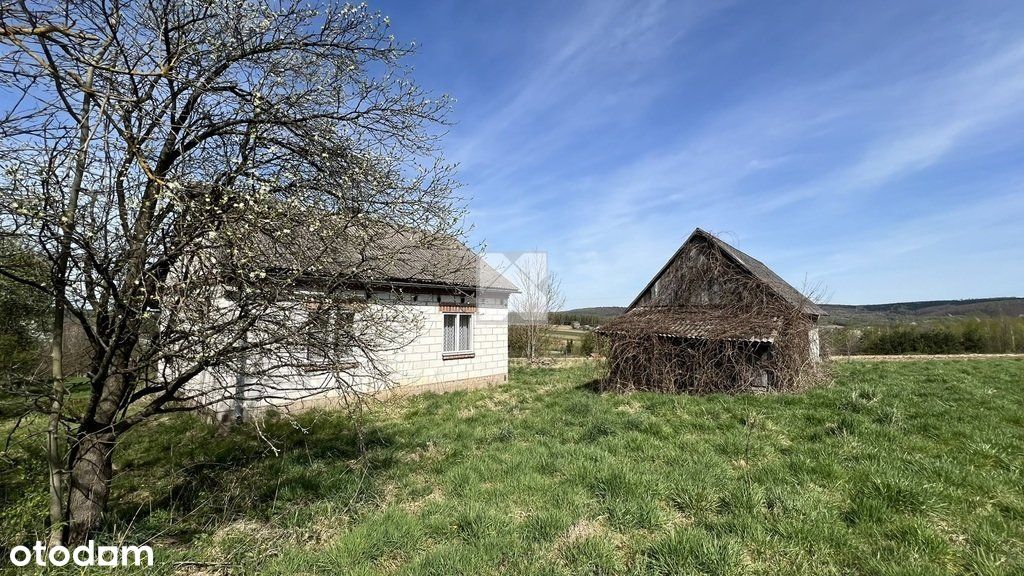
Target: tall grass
910 468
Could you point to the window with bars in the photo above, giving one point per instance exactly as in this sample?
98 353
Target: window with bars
458 332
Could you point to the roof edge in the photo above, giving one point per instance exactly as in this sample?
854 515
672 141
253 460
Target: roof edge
663 268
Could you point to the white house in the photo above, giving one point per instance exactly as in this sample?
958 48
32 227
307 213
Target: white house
448 325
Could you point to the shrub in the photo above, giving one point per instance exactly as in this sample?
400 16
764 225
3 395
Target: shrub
588 344
973 337
517 341
992 336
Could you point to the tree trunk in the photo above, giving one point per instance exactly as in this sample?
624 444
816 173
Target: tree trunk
54 443
90 462
91 472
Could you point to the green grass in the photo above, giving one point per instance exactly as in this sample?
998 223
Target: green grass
897 468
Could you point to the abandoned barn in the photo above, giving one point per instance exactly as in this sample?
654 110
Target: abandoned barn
713 319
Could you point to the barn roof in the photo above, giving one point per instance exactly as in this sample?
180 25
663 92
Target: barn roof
747 262
697 322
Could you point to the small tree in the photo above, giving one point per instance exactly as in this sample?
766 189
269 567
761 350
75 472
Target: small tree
207 183
540 293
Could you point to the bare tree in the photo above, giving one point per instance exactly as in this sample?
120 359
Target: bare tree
540 293
215 186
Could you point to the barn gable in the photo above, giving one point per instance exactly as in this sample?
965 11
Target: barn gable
701 273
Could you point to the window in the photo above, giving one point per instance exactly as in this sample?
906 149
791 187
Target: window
458 332
330 336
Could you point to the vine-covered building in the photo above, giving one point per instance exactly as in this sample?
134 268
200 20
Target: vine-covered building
713 319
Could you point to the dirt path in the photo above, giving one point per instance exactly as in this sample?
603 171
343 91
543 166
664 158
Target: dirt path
913 357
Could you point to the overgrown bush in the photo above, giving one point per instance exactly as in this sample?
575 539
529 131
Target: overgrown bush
519 339
842 340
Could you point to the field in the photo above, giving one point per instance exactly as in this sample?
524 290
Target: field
897 468
559 336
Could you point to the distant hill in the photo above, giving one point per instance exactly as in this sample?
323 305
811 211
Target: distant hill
878 313
599 311
926 310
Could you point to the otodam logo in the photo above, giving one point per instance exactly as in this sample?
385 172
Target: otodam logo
85 555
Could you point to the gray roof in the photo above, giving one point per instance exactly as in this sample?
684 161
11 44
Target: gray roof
382 254
750 264
697 322
443 260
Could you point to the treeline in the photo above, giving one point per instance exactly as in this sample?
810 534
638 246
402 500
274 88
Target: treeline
567 318
973 336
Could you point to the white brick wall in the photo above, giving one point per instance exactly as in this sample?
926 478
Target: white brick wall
421 362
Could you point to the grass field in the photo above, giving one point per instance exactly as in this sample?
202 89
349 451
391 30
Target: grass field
897 468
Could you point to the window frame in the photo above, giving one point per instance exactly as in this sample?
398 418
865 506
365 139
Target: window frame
459 351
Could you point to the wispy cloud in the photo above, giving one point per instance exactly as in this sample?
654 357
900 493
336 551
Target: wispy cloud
814 138
962 251
933 115
712 178
593 68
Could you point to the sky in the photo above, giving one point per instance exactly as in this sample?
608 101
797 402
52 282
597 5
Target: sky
872 151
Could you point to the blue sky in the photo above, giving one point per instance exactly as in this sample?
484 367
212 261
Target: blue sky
876 149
